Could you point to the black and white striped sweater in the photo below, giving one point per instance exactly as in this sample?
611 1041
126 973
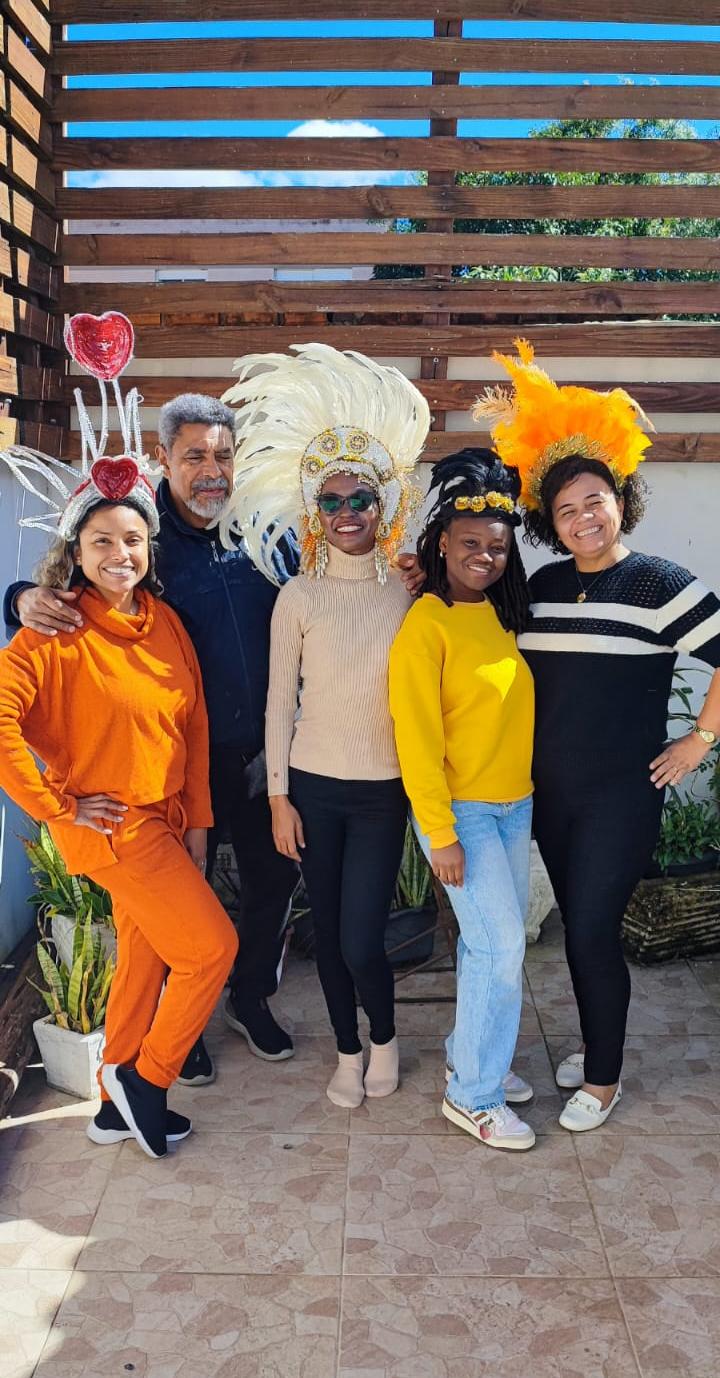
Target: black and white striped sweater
603 668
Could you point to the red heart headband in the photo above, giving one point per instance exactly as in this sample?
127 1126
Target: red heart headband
115 478
102 345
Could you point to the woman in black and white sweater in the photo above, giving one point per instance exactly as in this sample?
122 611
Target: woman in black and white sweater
607 626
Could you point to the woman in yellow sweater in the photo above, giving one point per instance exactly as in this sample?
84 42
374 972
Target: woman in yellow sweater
116 711
327 441
462 700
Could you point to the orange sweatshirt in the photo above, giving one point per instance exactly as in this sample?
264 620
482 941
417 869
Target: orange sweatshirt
115 708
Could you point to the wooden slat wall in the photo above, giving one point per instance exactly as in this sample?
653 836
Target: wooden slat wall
433 320
32 359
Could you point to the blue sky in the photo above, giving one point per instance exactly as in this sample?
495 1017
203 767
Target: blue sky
508 128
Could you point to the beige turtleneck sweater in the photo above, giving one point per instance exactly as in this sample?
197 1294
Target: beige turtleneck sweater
328 711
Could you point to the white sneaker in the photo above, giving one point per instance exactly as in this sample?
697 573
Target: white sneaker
584 1111
496 1128
571 1072
517 1091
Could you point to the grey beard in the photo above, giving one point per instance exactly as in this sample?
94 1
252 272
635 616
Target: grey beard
211 510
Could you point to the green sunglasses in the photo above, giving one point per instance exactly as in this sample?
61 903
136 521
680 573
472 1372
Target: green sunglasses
360 501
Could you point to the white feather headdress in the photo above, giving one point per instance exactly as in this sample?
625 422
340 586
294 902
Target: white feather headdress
303 419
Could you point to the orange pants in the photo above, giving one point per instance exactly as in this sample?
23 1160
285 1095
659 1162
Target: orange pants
170 928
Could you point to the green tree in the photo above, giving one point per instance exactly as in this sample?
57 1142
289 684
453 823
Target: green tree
607 227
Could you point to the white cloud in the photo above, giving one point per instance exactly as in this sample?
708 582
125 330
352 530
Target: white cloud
310 129
335 129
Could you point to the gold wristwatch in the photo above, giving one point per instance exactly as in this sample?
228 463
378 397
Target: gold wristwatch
707 736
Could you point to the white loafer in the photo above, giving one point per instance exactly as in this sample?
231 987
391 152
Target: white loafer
570 1073
584 1111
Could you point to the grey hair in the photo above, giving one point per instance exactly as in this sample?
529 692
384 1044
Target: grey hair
192 409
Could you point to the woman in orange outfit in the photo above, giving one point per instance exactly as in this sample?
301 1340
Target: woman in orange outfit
116 711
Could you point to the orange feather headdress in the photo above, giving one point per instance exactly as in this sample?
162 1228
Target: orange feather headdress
540 423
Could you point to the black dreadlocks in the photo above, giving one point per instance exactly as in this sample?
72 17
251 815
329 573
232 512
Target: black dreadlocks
469 473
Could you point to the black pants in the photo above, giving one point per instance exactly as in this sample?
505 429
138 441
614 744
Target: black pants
354 834
596 840
267 880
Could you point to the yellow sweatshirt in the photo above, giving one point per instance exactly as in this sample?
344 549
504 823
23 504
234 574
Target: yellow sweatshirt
462 700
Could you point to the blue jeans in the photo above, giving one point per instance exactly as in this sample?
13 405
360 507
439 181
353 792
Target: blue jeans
490 909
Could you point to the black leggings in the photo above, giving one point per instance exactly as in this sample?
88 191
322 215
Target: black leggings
596 840
354 834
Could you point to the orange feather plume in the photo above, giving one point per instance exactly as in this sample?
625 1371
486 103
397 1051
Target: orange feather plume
539 423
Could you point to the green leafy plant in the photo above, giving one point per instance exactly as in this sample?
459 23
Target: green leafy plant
57 892
690 826
414 882
76 997
689 831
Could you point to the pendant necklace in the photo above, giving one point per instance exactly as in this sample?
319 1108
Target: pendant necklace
583 594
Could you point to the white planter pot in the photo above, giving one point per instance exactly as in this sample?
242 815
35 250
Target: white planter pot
71 1060
542 899
62 928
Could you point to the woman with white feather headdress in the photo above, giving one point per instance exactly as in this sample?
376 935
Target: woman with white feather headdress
327 442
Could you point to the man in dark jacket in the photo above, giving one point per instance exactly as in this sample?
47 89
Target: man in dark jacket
226 606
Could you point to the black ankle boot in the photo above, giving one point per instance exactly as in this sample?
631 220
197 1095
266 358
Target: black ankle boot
109 1127
142 1105
253 1018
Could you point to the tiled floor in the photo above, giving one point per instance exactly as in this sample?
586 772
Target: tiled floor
291 1239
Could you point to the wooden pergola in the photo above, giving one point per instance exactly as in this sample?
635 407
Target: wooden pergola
435 317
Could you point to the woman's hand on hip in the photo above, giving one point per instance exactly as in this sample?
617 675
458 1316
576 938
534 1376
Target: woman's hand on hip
97 810
448 864
287 827
195 844
676 760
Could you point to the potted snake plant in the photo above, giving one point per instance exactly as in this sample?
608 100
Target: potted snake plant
63 899
409 936
71 1035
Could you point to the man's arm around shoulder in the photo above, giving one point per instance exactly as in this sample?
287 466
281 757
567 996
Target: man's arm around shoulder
43 610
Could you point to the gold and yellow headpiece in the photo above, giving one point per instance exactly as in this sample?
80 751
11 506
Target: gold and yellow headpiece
481 501
540 423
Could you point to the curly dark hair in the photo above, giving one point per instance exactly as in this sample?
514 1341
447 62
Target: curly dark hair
58 570
539 529
469 473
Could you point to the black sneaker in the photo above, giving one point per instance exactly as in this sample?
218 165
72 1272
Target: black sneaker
253 1019
198 1068
142 1105
109 1127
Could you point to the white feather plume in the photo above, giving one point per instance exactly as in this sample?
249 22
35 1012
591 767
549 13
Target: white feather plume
284 402
25 463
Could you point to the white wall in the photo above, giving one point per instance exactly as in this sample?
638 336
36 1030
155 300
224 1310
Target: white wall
19 551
